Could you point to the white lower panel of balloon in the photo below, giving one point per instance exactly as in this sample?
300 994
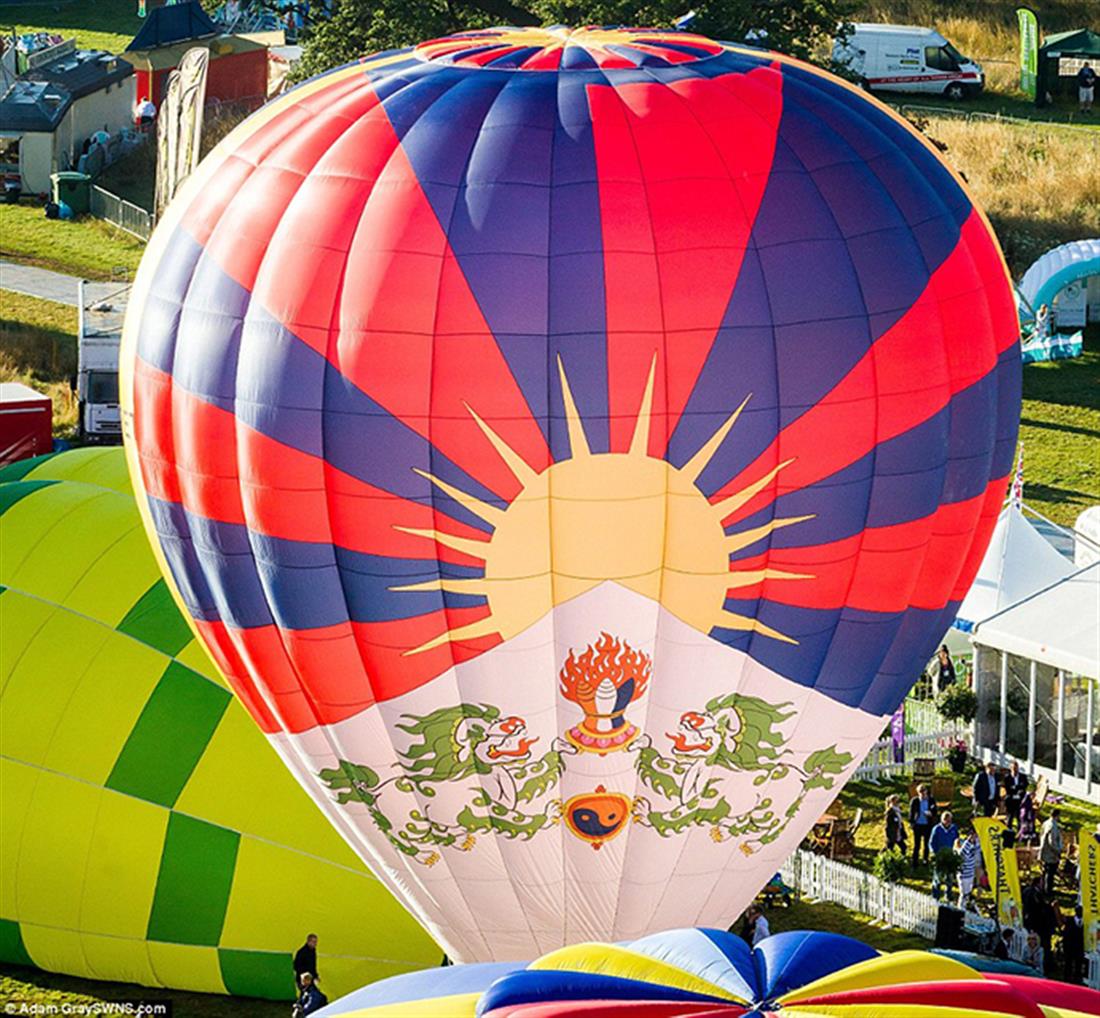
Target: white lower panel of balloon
609 772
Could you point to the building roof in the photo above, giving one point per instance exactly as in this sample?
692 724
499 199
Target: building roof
177 23
82 72
164 58
1080 42
33 106
1058 626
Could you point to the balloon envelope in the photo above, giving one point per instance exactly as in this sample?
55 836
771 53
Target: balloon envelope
150 835
679 973
571 445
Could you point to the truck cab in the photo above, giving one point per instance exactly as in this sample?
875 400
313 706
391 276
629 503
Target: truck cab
98 339
908 58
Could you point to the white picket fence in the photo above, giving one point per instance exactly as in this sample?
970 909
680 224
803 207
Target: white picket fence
879 762
1092 977
822 879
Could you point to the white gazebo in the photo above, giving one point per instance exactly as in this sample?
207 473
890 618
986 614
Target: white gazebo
1037 677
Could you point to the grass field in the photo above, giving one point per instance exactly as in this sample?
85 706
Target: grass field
38 348
97 24
84 247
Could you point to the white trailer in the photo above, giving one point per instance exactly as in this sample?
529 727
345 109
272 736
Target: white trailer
98 339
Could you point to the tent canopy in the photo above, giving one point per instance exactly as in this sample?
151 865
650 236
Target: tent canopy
177 23
1058 626
1081 42
1056 269
1018 562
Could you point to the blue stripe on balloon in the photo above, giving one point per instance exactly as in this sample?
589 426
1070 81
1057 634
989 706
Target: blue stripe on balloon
817 288
225 571
788 961
500 156
238 358
721 958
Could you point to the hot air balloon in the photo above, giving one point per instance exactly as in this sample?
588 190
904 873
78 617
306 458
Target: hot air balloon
150 834
680 973
570 444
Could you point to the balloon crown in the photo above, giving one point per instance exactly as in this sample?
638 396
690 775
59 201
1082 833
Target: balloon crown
569 49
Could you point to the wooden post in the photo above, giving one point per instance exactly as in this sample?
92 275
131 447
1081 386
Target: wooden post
1002 734
1059 752
1032 685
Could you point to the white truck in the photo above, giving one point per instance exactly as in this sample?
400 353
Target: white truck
98 338
907 58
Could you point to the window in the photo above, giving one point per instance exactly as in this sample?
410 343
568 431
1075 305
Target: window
102 386
937 58
955 55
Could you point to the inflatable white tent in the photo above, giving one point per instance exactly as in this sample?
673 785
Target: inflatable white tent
1051 273
1019 562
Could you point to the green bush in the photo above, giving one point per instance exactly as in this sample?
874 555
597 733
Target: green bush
890 865
957 703
946 864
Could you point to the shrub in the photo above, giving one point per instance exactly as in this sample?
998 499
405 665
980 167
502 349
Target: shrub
946 864
890 865
957 703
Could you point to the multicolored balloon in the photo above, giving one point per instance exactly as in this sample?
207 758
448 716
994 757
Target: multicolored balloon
570 444
696 972
150 834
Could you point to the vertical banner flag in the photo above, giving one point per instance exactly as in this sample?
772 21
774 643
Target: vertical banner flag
1090 888
1018 481
1000 864
1029 50
897 733
179 125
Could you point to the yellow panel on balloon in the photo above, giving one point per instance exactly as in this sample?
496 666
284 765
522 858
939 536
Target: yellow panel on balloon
118 959
237 757
885 970
261 866
50 886
109 597
54 949
17 783
196 658
185 967
121 877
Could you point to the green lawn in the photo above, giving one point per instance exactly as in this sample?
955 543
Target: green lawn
84 247
831 918
32 986
1002 104
1060 431
97 24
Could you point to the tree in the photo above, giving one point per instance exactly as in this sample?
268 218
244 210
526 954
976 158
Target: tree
358 27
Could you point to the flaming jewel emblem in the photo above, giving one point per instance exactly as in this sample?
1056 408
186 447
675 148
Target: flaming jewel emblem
603 681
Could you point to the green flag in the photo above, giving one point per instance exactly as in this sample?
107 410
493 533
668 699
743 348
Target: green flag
1029 50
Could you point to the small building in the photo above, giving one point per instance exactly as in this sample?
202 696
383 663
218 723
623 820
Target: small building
26 418
64 97
238 63
1060 58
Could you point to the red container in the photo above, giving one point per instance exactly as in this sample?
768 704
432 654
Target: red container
26 423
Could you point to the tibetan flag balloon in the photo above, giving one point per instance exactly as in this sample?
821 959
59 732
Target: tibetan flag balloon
713 974
570 445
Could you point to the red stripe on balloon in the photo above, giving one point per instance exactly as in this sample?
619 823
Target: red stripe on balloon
219 468
675 232
1055 994
882 396
962 997
618 1009
923 563
222 649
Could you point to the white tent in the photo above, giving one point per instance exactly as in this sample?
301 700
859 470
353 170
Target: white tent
1058 626
1018 562
1060 266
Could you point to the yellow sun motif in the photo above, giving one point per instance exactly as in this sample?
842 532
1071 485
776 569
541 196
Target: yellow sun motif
625 517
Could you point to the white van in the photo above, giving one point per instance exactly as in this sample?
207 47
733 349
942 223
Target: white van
906 58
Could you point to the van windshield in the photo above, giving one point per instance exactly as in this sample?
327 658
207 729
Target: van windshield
102 386
939 59
955 55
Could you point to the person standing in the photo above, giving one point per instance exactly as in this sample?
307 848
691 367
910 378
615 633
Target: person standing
941 670
305 961
942 839
1015 787
310 997
1033 953
1073 947
923 813
895 824
1086 87
985 790
1050 849
969 853
760 928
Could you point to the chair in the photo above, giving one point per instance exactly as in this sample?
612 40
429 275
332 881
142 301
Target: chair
1042 789
923 767
843 848
943 791
1027 858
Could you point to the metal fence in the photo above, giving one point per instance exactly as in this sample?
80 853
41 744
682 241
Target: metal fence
976 116
125 215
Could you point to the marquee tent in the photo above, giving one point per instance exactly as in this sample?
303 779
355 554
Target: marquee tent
1018 562
1056 269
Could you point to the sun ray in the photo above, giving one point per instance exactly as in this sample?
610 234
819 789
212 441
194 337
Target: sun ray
695 466
470 631
478 549
749 577
578 443
728 506
639 442
742 539
483 510
472 585
512 459
734 620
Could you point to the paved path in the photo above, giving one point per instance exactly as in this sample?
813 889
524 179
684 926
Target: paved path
47 285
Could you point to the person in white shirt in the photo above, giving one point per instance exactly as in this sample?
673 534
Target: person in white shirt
760 928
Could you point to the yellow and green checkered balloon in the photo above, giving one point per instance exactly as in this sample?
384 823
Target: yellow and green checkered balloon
150 834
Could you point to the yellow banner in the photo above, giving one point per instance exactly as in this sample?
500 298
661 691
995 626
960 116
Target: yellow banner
1090 888
1000 864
